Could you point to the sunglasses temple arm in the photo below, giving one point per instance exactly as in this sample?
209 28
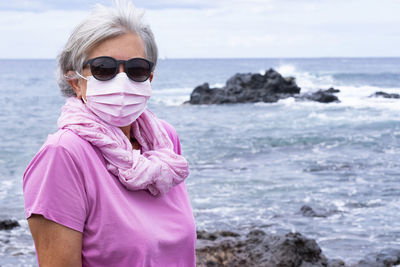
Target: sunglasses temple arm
74 76
81 76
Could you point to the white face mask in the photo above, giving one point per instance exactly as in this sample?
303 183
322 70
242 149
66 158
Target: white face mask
119 101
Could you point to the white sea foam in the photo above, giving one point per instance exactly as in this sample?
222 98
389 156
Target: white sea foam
307 81
350 96
171 96
287 101
173 91
5 187
287 70
360 97
217 85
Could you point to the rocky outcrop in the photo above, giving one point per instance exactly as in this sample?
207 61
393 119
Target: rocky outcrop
259 249
322 96
250 88
8 224
385 95
243 88
307 211
385 258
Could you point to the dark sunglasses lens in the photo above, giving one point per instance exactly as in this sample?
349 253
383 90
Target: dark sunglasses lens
103 69
138 69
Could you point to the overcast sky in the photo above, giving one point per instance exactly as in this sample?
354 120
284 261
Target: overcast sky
219 28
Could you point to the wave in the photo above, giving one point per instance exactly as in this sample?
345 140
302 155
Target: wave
384 79
311 80
307 81
171 96
356 89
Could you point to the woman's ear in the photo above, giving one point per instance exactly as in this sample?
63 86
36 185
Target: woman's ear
151 76
75 83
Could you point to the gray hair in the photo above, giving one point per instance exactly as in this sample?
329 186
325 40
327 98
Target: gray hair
103 23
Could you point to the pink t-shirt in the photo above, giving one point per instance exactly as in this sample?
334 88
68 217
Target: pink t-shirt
67 182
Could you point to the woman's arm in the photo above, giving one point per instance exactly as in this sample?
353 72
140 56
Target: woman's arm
56 245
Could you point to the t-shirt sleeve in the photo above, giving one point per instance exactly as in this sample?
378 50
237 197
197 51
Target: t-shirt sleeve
54 187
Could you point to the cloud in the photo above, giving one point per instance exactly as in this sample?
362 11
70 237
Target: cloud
43 5
46 5
178 4
35 35
197 4
280 29
235 28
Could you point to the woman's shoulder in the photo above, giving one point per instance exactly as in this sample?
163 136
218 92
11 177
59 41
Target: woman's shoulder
66 140
54 184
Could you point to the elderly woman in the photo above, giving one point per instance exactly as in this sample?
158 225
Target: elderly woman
107 188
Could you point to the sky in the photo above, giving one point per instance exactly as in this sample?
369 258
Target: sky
219 28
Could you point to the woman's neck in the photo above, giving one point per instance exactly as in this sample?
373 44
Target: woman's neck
127 131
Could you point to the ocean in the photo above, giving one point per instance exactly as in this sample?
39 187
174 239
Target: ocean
252 165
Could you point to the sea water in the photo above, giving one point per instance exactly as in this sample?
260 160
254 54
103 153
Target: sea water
252 165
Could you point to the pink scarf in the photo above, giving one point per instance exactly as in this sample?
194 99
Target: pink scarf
157 169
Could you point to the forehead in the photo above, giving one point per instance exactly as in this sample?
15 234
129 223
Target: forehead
122 47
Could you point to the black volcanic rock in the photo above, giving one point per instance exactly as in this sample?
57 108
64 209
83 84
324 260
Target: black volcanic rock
385 95
385 258
248 87
322 96
307 211
213 236
8 224
259 249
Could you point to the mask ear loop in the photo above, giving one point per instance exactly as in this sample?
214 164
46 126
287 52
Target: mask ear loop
81 76
73 77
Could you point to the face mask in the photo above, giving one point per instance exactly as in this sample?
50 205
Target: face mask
119 101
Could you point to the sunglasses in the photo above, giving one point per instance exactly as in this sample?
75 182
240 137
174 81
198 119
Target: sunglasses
106 68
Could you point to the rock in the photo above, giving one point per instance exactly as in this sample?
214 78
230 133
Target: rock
385 95
259 249
212 236
336 263
385 258
8 224
332 90
322 96
294 250
248 87
307 211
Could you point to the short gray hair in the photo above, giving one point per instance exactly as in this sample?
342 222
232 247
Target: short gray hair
103 23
